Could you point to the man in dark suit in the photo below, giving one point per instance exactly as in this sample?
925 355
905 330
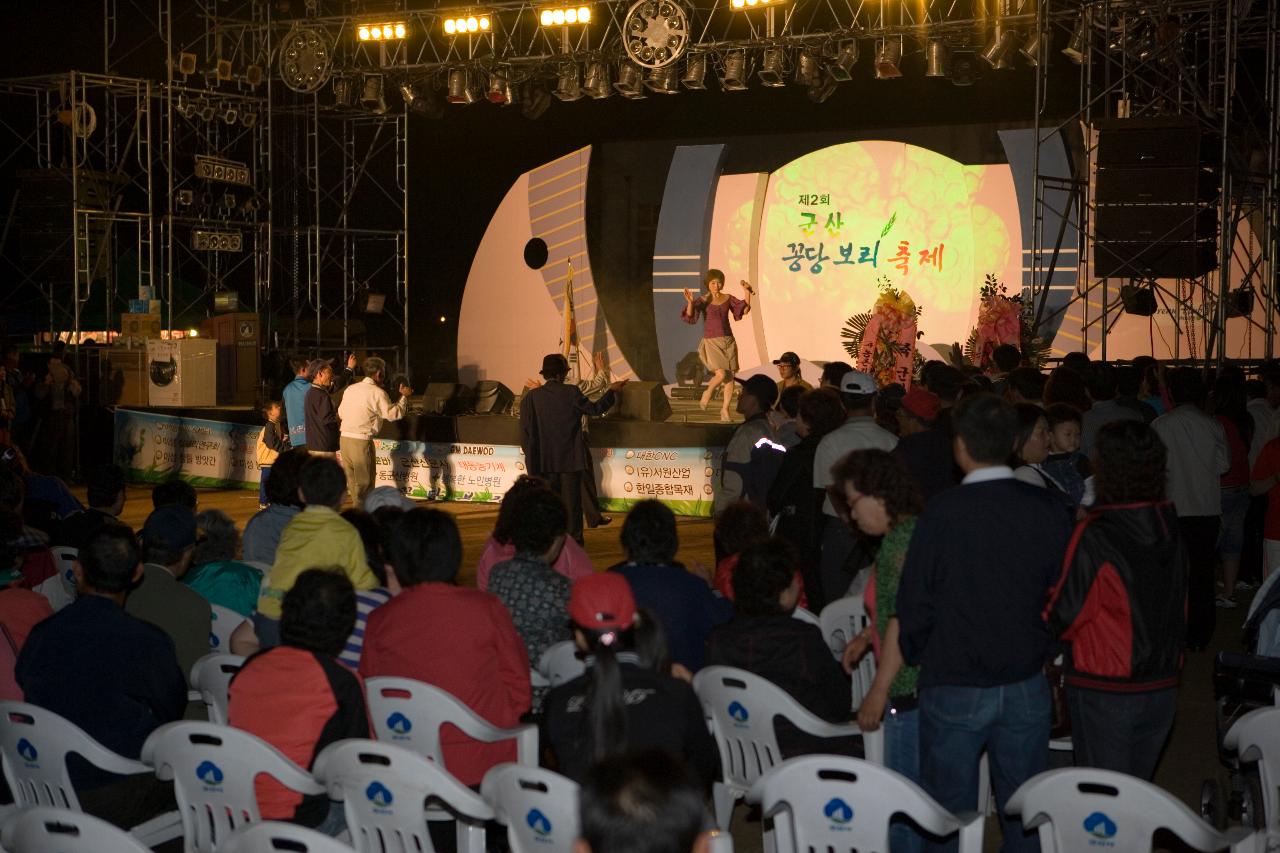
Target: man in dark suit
551 433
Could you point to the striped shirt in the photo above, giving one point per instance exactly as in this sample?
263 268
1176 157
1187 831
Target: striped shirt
366 601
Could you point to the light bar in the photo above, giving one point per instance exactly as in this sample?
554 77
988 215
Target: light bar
740 5
466 24
565 16
212 168
381 32
216 241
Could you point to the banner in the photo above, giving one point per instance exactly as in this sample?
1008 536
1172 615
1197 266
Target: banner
155 447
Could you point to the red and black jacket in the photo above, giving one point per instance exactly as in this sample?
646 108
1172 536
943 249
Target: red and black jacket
1122 598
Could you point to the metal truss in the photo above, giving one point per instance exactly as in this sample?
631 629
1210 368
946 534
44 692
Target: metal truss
1165 59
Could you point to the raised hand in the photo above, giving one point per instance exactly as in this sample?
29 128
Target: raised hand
746 285
688 295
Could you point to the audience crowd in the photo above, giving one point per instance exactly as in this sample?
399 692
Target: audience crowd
990 523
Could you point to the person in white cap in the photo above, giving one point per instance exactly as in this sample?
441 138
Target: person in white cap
859 432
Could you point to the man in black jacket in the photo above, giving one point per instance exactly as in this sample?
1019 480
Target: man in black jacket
981 563
318 412
551 433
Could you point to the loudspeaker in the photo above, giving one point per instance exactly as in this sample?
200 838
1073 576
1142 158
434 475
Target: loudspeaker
1154 260
1138 300
1155 185
444 398
645 401
1157 141
493 398
1152 223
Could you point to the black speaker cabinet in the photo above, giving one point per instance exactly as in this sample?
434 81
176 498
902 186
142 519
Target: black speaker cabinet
645 401
444 398
493 398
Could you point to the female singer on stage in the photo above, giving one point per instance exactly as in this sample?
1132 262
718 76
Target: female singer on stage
718 350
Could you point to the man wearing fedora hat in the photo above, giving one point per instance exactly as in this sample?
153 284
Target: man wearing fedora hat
551 433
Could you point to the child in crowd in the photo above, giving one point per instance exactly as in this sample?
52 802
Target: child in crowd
271 441
1068 467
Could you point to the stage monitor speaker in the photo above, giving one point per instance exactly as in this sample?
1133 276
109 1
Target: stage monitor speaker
493 398
443 398
1138 300
645 401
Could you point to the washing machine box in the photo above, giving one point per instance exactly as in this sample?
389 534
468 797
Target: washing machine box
182 373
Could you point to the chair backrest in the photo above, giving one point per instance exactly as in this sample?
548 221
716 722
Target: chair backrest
45 829
34 744
805 615
540 808
1256 737
741 707
560 663
828 802
65 558
213 769
1078 807
410 714
223 623
384 790
271 836
211 675
842 620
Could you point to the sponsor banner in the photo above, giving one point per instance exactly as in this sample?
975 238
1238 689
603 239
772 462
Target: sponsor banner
154 447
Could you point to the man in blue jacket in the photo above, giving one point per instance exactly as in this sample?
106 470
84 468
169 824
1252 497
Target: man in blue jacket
295 395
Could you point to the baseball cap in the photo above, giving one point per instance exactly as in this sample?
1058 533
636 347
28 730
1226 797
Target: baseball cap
602 602
857 382
788 358
387 496
172 527
762 388
921 403
554 364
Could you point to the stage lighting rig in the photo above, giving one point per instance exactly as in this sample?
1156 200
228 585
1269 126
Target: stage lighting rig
1002 46
743 5
565 16
536 100
372 94
203 240
222 170
1034 45
655 32
467 25
889 59
305 59
664 81
392 31
695 72
734 78
937 58
460 88
629 83
598 83
1079 41
841 67
808 71
773 67
569 82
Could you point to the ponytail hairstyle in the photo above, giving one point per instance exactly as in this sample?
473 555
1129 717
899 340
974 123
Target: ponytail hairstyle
604 610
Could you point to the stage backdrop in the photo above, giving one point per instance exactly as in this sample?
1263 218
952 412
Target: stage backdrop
154 447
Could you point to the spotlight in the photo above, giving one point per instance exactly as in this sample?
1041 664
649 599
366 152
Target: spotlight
598 83
230 114
460 91
512 93
185 198
808 72
186 108
371 94
228 200
467 25
819 92
773 68
1035 44
963 67
743 5
664 80
1002 46
249 118
222 69
420 102
735 71
343 92
564 16
536 100
497 92
306 57
1079 41
695 72
253 75
888 56
629 83
382 32
937 58
841 67
186 64
569 82
207 111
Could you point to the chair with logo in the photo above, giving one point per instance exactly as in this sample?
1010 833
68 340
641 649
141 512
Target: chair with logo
1256 738
539 808
410 714
270 836
45 829
213 769
827 802
384 789
211 677
1079 808
65 559
223 623
34 745
560 663
841 621
741 708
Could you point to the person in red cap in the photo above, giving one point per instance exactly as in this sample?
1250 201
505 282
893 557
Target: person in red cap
924 445
620 704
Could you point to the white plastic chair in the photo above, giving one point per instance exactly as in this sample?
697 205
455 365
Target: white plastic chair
271 836
223 623
65 557
211 677
560 663
841 621
44 830
213 769
410 714
741 708
826 802
1077 807
539 808
1256 737
384 789
34 744
805 615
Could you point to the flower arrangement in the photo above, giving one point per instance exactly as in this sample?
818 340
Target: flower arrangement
1003 319
883 341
